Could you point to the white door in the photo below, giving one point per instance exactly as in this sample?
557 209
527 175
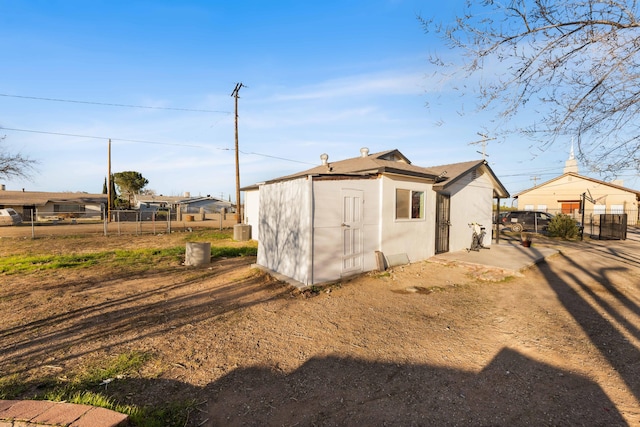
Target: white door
352 204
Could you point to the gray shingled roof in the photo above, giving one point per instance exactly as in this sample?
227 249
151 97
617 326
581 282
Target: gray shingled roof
391 161
38 198
452 172
394 162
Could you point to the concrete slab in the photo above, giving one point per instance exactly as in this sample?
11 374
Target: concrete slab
507 256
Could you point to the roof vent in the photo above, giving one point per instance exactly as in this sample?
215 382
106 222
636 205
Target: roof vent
324 157
364 152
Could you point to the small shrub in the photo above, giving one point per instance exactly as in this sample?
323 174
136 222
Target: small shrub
563 226
232 252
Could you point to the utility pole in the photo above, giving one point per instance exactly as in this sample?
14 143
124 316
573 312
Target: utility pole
535 180
109 185
483 141
236 95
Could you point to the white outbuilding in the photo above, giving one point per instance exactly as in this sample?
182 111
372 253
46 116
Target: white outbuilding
361 214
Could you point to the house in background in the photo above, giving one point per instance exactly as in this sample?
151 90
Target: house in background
44 205
185 204
563 194
340 218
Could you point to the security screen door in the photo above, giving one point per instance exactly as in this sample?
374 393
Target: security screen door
443 203
352 204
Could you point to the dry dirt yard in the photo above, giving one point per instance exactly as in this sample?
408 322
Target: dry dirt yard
424 344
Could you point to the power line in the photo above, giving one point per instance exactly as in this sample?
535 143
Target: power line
113 105
541 171
276 157
102 137
148 142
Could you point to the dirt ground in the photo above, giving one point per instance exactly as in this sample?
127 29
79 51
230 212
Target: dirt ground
424 344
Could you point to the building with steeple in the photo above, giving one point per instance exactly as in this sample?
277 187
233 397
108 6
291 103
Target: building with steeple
571 165
563 194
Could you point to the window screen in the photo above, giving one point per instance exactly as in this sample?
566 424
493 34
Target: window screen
409 204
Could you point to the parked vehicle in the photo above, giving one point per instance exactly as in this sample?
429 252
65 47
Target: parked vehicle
526 220
497 219
9 216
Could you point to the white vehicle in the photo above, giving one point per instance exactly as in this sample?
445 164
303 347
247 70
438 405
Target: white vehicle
9 217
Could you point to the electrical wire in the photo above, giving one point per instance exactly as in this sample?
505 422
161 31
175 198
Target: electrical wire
113 105
148 142
102 137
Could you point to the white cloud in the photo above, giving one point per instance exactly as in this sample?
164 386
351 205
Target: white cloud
388 83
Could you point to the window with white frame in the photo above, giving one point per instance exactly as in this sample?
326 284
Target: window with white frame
617 209
409 204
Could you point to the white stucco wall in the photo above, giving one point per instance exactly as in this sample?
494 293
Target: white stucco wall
414 237
471 201
300 222
327 224
285 228
252 212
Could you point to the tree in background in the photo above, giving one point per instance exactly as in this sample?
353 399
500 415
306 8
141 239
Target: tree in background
571 66
114 194
129 183
14 165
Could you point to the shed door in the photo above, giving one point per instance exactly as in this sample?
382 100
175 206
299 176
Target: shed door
443 203
352 204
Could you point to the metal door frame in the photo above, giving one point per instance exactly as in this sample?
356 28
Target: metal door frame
443 222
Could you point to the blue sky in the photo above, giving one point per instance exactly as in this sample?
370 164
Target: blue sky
321 77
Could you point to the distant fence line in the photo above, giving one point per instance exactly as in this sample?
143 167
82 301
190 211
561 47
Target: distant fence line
119 222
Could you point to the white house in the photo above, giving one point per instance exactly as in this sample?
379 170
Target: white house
38 205
186 203
341 218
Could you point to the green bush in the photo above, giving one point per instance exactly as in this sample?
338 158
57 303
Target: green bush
563 226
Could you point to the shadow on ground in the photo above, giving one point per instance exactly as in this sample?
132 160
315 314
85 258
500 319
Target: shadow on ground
511 390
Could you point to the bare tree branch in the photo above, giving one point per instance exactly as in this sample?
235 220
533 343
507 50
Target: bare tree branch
573 67
15 165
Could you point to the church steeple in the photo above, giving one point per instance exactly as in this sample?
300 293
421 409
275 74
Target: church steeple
571 165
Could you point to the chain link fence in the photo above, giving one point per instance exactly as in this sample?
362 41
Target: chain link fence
118 222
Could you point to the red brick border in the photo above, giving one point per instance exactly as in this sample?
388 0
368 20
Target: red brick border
27 413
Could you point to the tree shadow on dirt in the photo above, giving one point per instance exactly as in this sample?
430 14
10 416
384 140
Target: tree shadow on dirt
612 344
619 251
511 390
129 317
